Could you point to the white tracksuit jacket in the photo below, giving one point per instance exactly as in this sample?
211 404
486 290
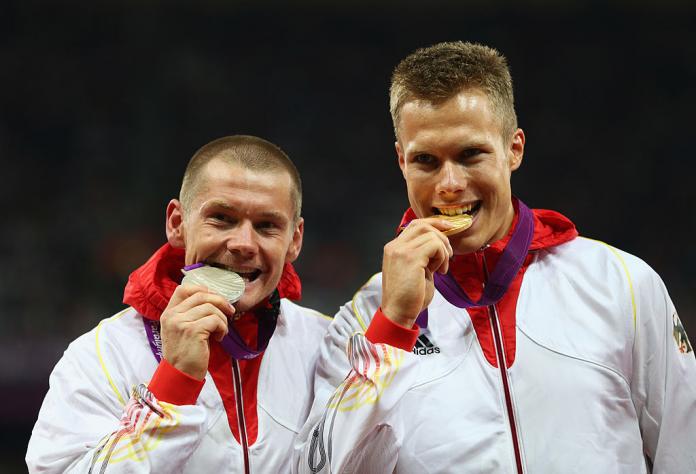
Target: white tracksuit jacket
603 381
88 424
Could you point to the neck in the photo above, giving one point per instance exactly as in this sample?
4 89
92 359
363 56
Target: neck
507 227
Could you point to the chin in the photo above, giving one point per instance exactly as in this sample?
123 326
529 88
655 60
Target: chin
465 244
241 307
250 301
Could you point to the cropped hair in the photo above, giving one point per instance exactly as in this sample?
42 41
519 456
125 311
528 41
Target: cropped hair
250 152
437 73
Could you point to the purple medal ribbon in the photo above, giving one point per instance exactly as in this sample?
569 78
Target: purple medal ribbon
507 267
235 346
194 265
152 329
232 343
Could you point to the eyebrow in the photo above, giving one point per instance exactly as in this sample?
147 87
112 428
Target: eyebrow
273 215
476 144
226 207
218 204
462 147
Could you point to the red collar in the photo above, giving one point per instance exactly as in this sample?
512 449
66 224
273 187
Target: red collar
151 286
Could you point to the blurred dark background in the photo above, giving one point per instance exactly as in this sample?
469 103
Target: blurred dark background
101 106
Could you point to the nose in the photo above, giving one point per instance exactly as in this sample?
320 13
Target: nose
242 240
452 180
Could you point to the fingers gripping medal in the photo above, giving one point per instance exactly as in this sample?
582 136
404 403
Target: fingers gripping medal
461 221
231 287
221 281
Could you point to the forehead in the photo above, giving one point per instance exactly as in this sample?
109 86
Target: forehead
245 189
469 113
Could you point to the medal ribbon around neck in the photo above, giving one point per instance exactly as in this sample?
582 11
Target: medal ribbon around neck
499 281
267 317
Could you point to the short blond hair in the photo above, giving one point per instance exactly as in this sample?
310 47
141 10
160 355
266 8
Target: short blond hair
439 72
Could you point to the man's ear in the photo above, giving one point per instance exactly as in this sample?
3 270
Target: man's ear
296 243
516 149
175 224
402 158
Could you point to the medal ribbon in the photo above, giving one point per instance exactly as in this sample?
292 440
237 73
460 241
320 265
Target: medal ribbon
232 343
505 270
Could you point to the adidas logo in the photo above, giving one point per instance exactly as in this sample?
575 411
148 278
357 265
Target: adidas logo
424 346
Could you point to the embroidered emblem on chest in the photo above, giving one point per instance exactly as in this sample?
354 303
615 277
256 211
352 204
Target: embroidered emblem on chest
680 337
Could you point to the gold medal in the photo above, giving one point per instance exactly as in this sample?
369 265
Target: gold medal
461 221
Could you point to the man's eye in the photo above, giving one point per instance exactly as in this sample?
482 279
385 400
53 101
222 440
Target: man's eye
221 217
266 225
470 153
424 159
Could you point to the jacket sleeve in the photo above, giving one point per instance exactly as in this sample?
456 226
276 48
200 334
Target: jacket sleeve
355 424
664 378
85 425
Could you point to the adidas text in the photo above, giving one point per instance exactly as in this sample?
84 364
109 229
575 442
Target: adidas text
426 350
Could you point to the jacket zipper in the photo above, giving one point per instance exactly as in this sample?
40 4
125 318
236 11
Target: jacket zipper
502 365
241 422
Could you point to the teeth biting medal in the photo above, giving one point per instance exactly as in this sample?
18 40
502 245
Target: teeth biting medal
231 286
224 282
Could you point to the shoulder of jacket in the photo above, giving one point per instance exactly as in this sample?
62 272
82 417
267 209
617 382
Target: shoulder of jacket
361 308
589 251
113 349
302 316
107 331
635 268
606 263
371 288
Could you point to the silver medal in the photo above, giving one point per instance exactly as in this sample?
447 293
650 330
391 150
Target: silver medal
221 281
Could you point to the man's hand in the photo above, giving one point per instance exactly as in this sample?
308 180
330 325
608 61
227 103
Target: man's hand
408 265
192 316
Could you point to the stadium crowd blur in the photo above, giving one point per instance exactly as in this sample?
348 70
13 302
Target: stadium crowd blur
102 106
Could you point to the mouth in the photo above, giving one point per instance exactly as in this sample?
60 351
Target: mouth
466 209
461 217
248 274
